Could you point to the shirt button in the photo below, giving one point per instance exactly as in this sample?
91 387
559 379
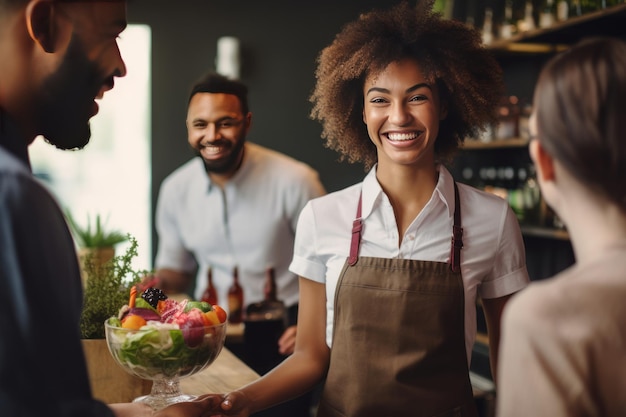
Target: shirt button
411 237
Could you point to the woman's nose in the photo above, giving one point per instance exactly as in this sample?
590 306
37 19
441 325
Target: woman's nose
399 114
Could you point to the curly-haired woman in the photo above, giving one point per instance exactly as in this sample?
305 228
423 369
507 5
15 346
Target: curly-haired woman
391 267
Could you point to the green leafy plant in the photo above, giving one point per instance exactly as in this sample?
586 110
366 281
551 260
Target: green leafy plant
94 235
107 289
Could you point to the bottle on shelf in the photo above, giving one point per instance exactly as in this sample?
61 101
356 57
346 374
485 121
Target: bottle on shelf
265 322
575 9
235 300
210 294
271 308
589 6
526 110
528 23
547 17
508 27
562 10
469 21
487 32
508 118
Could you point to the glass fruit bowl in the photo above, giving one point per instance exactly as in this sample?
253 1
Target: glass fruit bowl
164 353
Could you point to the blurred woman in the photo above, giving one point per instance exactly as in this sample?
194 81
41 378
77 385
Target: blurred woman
564 340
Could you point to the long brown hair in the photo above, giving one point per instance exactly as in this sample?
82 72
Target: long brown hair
580 102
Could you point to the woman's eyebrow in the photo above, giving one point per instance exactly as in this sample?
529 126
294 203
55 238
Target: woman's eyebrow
408 90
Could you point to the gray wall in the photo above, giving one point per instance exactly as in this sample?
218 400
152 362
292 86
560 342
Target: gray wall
280 43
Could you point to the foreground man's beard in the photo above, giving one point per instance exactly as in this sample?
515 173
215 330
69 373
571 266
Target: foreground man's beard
64 113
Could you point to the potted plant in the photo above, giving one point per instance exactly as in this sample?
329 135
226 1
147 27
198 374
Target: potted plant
106 290
94 240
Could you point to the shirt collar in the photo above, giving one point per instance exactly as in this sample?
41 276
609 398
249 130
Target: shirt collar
372 191
445 189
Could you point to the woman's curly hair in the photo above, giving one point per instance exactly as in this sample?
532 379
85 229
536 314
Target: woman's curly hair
450 53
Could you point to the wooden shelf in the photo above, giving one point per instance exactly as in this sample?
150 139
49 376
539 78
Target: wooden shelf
474 144
482 338
608 22
544 232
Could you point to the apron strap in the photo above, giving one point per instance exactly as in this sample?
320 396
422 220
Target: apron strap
357 225
457 234
455 247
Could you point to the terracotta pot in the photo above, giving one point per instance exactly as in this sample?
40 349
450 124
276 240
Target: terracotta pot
109 382
100 256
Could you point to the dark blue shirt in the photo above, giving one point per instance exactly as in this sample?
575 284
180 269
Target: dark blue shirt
42 367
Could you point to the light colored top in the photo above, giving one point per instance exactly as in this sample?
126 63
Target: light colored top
563 346
250 223
492 260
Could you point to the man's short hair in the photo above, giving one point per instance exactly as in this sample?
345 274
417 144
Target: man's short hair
213 82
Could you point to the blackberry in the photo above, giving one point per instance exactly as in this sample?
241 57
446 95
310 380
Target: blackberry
153 295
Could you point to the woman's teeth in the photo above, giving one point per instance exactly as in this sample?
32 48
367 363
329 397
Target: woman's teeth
402 136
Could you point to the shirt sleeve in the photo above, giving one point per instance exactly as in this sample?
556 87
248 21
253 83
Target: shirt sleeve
306 262
42 367
307 188
171 252
509 273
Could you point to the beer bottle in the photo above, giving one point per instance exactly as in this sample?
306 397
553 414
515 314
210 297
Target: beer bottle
235 300
209 295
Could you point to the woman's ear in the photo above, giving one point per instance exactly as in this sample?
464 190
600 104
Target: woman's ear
543 161
40 23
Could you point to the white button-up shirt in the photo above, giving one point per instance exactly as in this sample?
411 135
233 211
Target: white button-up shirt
493 262
250 223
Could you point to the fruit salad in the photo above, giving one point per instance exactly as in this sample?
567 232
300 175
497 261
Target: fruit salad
155 335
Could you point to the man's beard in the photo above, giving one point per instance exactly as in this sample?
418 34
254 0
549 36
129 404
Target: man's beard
67 103
227 164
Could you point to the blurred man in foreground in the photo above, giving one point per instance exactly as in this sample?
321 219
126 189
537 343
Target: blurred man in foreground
56 59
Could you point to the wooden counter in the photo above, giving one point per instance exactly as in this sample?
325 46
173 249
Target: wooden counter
225 374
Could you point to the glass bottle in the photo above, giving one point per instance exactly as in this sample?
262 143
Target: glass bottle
271 308
562 10
588 6
529 21
508 27
548 15
210 294
487 32
508 118
235 300
265 322
575 9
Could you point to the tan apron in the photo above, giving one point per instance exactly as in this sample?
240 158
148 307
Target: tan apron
399 337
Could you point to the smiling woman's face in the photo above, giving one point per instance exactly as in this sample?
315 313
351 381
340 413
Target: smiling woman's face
402 111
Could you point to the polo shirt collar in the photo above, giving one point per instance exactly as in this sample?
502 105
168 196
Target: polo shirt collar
372 191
